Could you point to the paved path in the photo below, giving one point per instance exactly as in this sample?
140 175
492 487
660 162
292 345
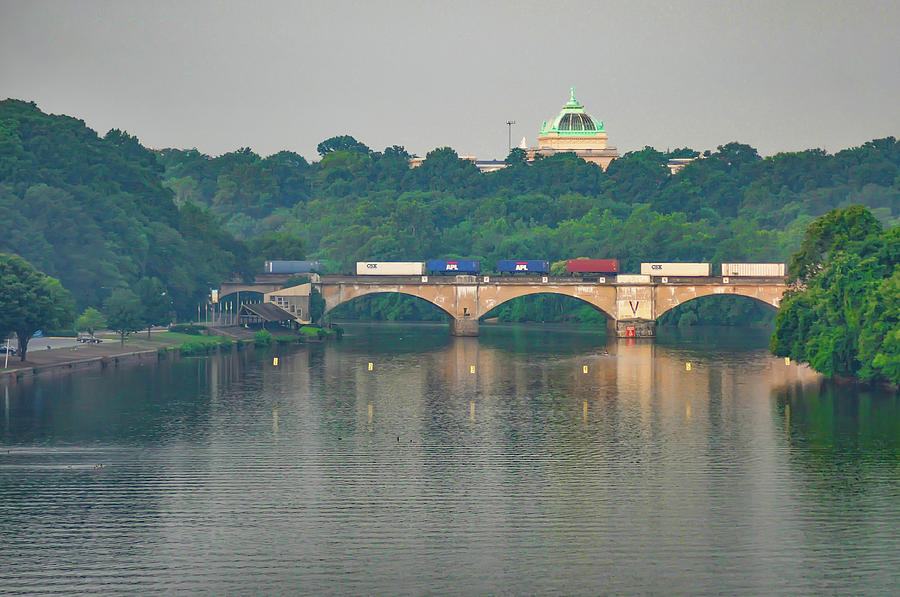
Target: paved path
67 350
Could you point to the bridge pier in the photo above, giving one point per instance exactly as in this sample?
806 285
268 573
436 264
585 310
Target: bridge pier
463 326
636 328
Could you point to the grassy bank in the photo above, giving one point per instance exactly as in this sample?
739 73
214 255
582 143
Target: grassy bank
189 344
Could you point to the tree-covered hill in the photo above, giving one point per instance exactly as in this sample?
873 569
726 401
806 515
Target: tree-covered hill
93 212
355 203
98 213
359 204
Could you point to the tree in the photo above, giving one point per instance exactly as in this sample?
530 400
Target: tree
342 143
30 300
89 321
277 246
155 302
123 312
843 317
516 157
839 229
316 306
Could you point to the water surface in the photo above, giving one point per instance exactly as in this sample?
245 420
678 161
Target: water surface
455 466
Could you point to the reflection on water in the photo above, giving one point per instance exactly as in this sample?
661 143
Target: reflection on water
529 460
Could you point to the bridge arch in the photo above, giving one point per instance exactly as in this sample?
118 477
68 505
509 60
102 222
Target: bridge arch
670 297
597 305
334 300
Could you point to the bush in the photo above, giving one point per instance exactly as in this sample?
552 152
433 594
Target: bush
188 328
263 338
311 330
194 348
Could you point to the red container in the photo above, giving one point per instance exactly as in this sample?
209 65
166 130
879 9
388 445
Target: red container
592 266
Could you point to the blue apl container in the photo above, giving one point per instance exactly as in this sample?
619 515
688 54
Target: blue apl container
523 266
466 266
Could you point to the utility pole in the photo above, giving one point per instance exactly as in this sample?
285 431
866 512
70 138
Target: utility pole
509 124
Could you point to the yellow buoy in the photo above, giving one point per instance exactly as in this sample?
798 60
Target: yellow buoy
275 361
584 369
687 366
472 369
371 366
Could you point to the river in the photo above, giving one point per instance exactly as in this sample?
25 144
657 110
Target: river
401 461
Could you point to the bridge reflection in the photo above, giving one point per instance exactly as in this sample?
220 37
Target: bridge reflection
439 380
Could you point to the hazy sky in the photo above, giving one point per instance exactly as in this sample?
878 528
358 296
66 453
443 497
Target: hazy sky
780 76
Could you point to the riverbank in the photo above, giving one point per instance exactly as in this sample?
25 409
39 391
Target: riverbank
66 354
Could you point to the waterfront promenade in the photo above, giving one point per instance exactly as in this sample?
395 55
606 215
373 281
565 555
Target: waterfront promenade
67 354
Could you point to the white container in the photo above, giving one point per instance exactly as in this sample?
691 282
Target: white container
390 268
675 269
759 270
632 279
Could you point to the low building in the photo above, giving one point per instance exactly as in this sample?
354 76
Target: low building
676 165
294 300
264 315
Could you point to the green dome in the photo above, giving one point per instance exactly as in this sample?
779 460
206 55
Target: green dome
573 120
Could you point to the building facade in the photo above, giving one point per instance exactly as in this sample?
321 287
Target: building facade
574 131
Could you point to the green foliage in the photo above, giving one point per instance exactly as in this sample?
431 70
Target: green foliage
844 317
312 331
29 301
89 321
123 312
94 212
316 305
722 309
730 205
341 143
548 308
275 246
156 306
263 338
205 345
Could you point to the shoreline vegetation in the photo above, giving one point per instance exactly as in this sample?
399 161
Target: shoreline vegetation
160 345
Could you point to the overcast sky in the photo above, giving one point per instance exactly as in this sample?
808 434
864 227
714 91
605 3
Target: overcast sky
217 76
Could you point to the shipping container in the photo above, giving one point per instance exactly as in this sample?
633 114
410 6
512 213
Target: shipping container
523 266
292 267
759 270
439 266
675 269
390 268
592 266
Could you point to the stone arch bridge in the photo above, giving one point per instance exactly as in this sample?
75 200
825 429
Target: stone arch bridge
631 303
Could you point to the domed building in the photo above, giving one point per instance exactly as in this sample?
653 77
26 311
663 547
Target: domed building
574 131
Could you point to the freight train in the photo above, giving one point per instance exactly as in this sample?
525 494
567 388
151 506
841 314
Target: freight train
292 267
574 267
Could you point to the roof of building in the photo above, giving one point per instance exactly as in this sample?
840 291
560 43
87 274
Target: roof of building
573 121
266 311
300 290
